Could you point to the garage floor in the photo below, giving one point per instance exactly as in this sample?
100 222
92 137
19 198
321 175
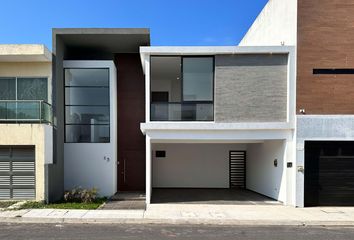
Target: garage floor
210 196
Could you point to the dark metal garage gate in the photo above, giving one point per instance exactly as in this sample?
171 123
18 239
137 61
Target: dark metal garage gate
17 172
329 173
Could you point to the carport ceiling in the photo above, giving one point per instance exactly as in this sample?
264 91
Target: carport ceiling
112 40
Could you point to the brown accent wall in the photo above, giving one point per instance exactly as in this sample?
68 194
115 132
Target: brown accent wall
325 40
131 112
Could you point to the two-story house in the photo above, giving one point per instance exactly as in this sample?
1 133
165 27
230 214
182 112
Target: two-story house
220 117
129 117
25 120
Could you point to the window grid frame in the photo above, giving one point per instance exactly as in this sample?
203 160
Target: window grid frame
78 105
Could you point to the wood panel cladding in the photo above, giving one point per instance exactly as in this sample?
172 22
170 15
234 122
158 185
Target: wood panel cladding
131 112
325 40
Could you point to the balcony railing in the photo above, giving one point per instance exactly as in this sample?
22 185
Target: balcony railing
165 111
25 111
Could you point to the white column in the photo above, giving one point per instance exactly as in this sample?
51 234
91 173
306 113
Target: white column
147 90
148 170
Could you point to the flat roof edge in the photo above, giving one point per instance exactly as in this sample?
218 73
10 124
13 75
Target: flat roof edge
214 49
25 53
59 31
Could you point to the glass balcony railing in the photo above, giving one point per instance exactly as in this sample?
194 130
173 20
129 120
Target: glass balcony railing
182 111
25 111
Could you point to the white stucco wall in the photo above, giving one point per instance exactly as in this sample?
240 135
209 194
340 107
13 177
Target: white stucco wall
276 24
94 165
89 168
192 165
261 174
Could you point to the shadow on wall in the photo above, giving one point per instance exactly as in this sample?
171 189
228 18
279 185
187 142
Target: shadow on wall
262 175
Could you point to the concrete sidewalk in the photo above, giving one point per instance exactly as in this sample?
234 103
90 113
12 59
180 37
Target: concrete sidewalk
196 214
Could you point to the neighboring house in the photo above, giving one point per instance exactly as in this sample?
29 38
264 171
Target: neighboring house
25 120
322 32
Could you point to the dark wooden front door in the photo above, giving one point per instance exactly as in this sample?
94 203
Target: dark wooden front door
131 175
131 112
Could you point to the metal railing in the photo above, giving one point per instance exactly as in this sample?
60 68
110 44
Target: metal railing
25 111
186 111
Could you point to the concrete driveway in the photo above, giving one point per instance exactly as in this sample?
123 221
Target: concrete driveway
209 196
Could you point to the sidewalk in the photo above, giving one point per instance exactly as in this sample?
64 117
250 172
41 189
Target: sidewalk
196 214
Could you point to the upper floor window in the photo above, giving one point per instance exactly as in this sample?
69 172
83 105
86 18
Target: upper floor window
87 116
24 100
23 88
182 88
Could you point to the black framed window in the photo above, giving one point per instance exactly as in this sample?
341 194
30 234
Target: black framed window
87 105
182 88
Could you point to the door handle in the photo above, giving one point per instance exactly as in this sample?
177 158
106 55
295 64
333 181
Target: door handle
124 170
301 169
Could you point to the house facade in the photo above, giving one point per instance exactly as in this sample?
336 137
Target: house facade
107 110
324 92
25 120
220 117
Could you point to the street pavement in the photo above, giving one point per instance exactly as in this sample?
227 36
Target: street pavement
68 231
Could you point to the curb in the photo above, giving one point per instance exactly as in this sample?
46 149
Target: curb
175 221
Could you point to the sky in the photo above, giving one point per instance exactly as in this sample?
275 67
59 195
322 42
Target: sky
171 22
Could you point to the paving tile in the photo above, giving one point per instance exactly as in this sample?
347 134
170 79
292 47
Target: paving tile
75 213
57 213
10 214
38 213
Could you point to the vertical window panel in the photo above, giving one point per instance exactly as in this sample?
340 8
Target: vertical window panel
32 89
7 88
198 75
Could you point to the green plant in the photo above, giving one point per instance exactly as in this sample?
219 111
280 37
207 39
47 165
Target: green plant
81 195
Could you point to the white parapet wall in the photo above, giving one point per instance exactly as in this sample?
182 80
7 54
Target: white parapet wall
38 135
276 25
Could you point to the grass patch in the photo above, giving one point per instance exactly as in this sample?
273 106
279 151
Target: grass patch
64 205
5 204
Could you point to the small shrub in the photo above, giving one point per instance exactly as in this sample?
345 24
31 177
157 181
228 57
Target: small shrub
81 195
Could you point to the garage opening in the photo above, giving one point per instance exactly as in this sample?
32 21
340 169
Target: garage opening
17 173
329 173
218 173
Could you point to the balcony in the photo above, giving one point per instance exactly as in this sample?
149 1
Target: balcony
25 111
166 111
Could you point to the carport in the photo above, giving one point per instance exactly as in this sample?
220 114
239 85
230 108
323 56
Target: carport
245 173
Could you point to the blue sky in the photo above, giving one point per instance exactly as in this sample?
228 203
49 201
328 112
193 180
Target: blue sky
171 22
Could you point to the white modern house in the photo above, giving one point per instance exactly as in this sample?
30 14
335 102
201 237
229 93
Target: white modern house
220 117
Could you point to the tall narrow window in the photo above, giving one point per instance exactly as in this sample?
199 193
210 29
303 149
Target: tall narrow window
198 74
87 115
